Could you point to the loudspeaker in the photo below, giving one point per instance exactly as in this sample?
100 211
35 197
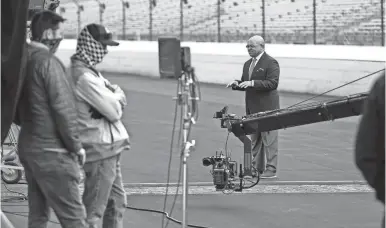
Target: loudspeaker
169 56
185 58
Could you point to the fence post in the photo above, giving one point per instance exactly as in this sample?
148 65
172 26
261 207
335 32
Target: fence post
314 19
263 18
219 21
102 8
151 5
182 18
78 12
383 22
124 6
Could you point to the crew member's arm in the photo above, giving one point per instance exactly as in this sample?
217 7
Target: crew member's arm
272 80
105 101
367 138
117 90
62 103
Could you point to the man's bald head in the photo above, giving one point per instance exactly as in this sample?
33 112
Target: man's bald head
258 40
255 45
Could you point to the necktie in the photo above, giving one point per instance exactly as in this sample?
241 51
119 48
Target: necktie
251 67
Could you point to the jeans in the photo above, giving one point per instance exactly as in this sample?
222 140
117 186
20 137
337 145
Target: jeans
104 195
53 182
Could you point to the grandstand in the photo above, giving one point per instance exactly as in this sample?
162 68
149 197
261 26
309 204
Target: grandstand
354 22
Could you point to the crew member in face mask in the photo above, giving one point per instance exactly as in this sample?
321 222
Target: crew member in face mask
100 106
48 145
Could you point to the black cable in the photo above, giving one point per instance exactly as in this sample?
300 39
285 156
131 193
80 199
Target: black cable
17 200
171 151
368 75
195 110
22 198
179 169
195 116
165 214
178 182
128 207
180 166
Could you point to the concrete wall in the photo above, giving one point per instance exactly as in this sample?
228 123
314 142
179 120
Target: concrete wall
304 68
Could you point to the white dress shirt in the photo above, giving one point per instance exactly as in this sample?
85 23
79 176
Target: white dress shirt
257 60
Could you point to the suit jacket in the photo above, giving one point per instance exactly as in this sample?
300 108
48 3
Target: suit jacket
263 96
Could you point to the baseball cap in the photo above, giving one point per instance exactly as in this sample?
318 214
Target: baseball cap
101 34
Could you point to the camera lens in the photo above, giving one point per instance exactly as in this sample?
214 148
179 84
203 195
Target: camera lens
207 161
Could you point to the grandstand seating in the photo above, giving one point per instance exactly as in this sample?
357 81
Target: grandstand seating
354 22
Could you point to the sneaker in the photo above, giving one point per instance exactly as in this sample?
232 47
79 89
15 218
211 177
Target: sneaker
268 174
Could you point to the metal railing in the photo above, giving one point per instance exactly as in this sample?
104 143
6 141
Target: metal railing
343 22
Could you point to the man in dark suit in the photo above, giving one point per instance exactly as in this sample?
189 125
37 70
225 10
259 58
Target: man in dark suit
260 80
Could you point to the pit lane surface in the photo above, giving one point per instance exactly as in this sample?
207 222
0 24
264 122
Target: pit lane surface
311 158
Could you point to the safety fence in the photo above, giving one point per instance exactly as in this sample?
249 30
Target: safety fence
343 22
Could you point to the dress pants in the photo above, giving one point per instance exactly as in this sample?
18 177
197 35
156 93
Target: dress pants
265 150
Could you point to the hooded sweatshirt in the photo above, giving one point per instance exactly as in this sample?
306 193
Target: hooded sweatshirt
100 104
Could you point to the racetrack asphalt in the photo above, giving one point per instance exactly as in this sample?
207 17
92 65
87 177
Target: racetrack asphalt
318 183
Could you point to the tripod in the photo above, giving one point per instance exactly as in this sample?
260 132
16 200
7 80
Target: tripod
187 98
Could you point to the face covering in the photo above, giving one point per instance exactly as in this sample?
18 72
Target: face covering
52 38
88 49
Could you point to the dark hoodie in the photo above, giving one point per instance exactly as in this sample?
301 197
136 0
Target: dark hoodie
46 112
370 141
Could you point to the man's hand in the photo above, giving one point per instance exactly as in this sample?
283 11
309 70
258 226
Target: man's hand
246 84
81 156
121 94
232 84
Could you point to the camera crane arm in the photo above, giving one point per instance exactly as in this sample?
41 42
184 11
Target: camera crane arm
241 127
224 171
296 116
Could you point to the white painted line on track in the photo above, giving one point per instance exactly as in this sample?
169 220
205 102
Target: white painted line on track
262 182
259 189
210 190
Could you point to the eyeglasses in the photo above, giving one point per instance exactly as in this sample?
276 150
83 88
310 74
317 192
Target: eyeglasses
250 46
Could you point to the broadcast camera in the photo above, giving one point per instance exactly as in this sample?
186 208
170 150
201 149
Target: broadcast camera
224 170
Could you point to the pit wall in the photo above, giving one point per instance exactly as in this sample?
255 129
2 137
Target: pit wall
309 69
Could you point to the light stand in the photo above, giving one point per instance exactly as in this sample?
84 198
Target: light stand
188 99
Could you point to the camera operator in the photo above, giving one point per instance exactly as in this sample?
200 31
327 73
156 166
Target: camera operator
48 144
370 140
260 80
104 137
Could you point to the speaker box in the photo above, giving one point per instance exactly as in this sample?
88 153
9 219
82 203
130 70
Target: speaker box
169 56
185 57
